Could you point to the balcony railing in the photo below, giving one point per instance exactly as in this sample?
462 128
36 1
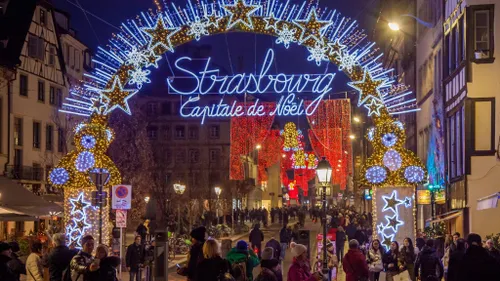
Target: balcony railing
25 173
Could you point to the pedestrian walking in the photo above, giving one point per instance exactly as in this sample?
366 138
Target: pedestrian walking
477 264
15 264
134 259
350 230
494 253
82 265
34 268
455 260
428 266
270 267
374 260
391 261
360 236
142 231
107 264
408 256
242 260
256 237
300 269
285 239
354 264
213 265
6 273
195 253
340 242
59 258
420 243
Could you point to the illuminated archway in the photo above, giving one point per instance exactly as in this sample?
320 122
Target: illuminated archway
123 66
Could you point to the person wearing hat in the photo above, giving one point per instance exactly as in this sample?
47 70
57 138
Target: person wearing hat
6 274
242 260
195 253
271 270
300 269
15 264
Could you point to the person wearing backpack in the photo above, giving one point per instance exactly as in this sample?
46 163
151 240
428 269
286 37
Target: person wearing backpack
59 258
213 267
428 264
82 265
242 260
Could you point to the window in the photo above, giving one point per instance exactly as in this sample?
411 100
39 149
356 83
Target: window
180 156
52 56
214 131
43 17
483 37
37 134
194 155
461 41
18 158
49 137
193 133
455 144
59 97
18 131
52 95
151 109
61 140
23 85
36 48
41 91
166 108
166 132
77 60
453 50
152 133
180 132
482 113
214 155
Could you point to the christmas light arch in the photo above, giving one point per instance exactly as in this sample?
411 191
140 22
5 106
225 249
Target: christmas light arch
124 66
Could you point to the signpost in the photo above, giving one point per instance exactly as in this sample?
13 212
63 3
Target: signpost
121 201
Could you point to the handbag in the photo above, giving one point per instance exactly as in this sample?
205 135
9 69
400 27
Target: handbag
402 276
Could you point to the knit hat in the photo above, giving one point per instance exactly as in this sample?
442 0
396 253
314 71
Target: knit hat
4 246
242 245
267 253
297 249
198 233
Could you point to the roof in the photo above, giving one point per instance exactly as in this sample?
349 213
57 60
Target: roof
14 26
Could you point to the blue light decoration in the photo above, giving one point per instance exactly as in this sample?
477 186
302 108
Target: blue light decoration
376 174
392 160
59 176
84 161
389 139
414 174
79 224
88 141
389 230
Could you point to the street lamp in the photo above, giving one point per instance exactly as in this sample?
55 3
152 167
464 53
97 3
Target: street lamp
356 119
258 146
146 199
99 177
324 174
351 136
393 26
179 190
217 190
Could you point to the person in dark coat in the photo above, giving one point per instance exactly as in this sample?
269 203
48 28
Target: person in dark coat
60 257
275 245
195 254
340 242
15 264
354 265
428 266
285 217
212 266
107 265
350 230
256 237
271 270
135 258
420 243
477 264
285 239
455 260
6 273
391 260
142 231
360 236
494 253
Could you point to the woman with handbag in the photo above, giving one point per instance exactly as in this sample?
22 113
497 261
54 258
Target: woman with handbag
408 257
374 259
392 264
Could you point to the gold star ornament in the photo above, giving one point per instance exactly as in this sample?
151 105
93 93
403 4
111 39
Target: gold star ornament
240 14
160 35
368 87
117 97
311 27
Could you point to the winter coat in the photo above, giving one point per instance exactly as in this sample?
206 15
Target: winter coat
273 243
285 235
455 259
17 266
134 257
6 273
107 268
58 261
350 230
237 256
300 271
361 237
374 260
354 265
477 264
211 269
34 268
494 253
407 257
429 264
270 266
266 275
80 267
389 258
256 236
194 259
340 239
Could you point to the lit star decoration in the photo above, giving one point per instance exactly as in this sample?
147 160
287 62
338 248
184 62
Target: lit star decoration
198 29
79 205
380 228
117 97
391 203
213 19
317 54
240 14
138 77
272 22
387 241
286 36
98 105
393 222
368 87
160 35
152 59
407 202
311 27
390 229
78 225
374 107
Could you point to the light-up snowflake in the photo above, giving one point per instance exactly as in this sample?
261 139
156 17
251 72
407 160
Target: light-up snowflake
318 53
198 29
286 36
139 76
347 61
136 57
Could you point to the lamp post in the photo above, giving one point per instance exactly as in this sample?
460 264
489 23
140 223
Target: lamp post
179 190
99 177
217 190
324 174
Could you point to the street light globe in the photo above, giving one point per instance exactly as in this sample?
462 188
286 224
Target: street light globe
258 146
352 137
393 26
146 199
179 188
356 119
217 190
324 171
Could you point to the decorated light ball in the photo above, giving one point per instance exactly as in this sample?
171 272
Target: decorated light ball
389 139
392 160
59 176
376 174
88 142
414 174
84 161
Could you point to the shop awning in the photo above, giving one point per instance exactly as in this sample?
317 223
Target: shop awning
18 203
488 202
445 217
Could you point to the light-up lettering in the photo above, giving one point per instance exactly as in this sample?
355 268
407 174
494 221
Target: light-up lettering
209 81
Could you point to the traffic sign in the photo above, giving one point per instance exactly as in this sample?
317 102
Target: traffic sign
121 218
121 197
